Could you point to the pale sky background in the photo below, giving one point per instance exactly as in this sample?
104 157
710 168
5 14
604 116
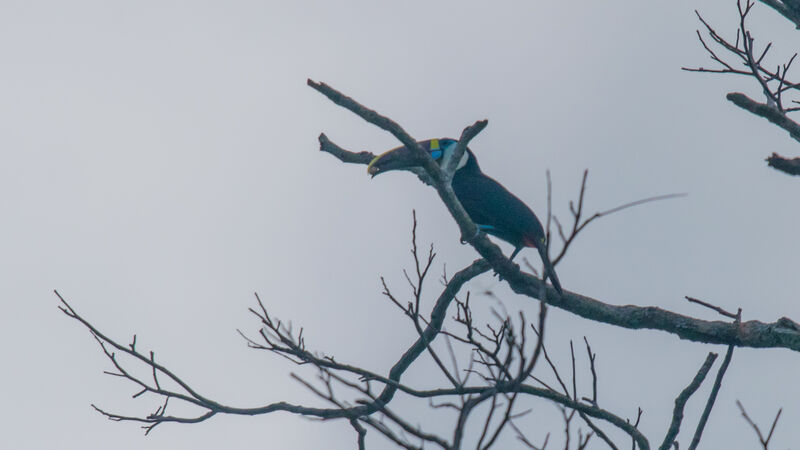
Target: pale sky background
160 164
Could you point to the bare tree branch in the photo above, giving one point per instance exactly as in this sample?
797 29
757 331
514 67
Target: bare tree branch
713 307
502 356
213 407
747 334
767 112
764 441
466 136
579 225
683 397
790 166
597 431
361 432
469 231
711 399
325 145
773 83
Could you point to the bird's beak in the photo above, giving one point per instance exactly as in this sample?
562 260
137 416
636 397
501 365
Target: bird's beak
395 159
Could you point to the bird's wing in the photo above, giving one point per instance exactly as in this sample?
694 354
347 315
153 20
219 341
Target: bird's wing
493 207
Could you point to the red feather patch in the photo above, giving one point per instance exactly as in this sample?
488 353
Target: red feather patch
530 241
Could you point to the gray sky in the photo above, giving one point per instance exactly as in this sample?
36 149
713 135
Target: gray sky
160 165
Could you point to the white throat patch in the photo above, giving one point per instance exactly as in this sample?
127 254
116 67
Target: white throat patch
448 153
464 159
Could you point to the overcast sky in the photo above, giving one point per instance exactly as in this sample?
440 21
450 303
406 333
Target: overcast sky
160 164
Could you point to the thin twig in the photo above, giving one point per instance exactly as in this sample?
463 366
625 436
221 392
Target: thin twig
711 398
683 397
764 441
710 306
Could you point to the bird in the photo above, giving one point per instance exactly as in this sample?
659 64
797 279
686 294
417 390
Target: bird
492 207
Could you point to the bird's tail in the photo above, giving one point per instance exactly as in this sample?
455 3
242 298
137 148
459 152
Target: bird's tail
550 272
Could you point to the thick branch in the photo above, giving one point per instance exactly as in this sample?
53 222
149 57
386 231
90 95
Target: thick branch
374 118
469 230
326 145
783 333
787 165
361 432
770 113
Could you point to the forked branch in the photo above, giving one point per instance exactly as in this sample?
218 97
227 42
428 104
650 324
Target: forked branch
747 334
746 60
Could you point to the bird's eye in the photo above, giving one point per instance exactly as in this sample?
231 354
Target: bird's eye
436 154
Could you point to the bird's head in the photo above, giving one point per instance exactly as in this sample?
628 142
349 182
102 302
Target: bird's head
401 158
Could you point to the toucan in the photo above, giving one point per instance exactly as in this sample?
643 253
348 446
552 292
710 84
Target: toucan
491 206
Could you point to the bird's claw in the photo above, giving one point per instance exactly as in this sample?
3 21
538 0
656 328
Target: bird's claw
466 241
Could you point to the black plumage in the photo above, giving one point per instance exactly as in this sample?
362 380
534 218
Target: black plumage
491 206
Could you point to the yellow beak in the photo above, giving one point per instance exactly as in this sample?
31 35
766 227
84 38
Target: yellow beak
370 169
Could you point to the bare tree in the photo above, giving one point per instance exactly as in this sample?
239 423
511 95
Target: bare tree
484 394
740 55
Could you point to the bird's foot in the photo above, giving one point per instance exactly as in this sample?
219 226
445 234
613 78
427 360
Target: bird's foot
466 241
499 276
